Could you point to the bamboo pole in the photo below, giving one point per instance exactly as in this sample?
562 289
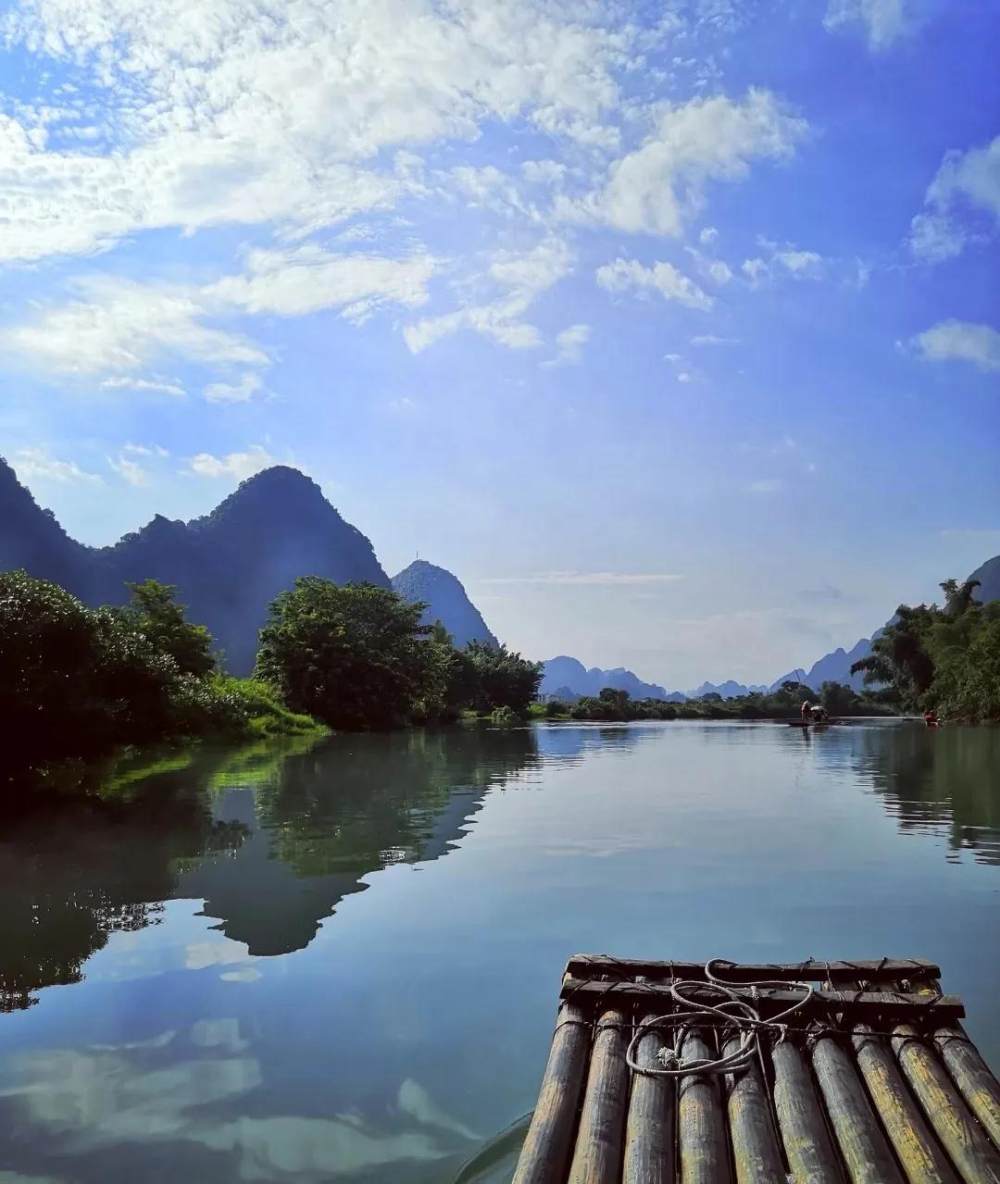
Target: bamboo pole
547 1146
973 1077
961 1135
756 1156
916 1147
809 1150
701 1131
597 1158
863 1145
652 1120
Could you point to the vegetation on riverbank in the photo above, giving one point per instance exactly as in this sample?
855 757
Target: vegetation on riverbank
77 682
785 703
945 659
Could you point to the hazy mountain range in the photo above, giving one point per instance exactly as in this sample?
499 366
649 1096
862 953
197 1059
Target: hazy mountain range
277 525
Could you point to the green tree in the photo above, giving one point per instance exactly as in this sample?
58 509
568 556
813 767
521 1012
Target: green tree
155 612
354 656
494 676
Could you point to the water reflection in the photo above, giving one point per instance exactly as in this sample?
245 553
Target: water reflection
938 781
271 837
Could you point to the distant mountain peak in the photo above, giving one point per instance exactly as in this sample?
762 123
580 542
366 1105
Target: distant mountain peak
446 599
228 566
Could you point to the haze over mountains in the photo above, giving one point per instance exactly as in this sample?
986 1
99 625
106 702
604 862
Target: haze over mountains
230 564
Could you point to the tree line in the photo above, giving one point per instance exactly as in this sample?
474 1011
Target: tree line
944 659
76 682
783 703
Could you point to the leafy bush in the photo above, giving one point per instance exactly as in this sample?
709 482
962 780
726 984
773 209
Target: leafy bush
354 656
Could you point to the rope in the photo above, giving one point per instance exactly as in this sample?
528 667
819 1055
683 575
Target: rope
732 1012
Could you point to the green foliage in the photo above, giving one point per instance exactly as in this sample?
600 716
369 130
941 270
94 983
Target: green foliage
261 708
504 717
154 611
943 658
487 677
354 656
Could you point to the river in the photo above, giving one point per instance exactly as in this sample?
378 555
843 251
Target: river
340 960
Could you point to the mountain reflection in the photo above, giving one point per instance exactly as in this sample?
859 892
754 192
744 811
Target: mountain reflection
272 837
935 782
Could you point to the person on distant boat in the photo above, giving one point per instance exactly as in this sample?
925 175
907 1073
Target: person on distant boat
819 713
931 718
806 711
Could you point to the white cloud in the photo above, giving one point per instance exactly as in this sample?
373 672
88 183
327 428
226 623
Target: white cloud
591 578
569 345
243 112
656 188
159 386
884 21
684 376
960 341
145 450
781 260
967 183
307 279
239 392
118 327
36 464
237 465
129 470
708 236
711 339
628 274
522 278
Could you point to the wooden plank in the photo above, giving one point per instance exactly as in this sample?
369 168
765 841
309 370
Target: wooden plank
652 1120
809 1150
701 1130
976 1159
917 1150
863 1146
872 970
975 1081
893 1005
597 1158
546 1151
756 1155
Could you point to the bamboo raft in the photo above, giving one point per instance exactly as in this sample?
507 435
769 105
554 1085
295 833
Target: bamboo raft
870 1079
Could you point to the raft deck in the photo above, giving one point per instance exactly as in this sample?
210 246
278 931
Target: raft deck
868 1079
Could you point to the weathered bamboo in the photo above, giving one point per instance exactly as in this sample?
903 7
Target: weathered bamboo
756 1156
961 1136
916 1148
769 1000
652 1120
881 970
975 1082
863 1146
597 1158
809 1149
546 1151
701 1130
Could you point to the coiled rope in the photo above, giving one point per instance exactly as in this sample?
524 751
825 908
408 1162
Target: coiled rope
732 1012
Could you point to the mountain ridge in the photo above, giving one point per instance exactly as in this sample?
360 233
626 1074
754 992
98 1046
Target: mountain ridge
446 599
228 565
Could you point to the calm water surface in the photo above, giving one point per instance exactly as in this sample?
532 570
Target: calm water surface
342 962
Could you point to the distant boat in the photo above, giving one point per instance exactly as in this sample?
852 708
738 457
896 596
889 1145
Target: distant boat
812 723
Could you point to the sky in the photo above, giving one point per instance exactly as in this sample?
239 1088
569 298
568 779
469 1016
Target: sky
673 329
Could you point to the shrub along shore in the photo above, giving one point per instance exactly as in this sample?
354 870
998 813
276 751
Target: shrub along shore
79 682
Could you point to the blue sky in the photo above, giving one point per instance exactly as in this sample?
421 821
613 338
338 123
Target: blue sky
671 328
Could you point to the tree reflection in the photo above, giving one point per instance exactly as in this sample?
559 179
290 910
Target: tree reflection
272 837
937 781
